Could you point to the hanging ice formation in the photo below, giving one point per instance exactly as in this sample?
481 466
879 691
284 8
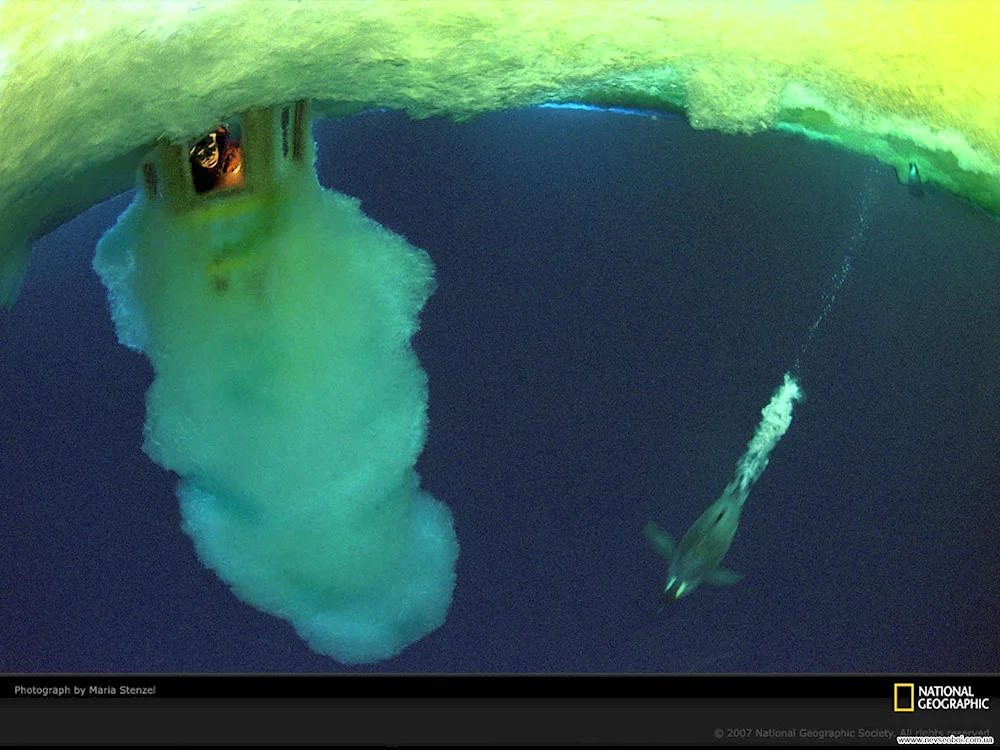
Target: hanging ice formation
286 395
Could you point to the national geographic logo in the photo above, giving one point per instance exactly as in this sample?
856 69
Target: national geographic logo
910 697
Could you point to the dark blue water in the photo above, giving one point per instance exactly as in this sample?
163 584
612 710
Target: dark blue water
618 298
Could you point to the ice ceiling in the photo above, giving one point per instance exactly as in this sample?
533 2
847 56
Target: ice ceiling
87 88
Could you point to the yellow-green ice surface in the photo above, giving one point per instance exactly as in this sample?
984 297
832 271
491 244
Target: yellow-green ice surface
86 86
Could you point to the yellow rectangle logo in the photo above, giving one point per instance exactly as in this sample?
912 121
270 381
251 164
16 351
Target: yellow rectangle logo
902 696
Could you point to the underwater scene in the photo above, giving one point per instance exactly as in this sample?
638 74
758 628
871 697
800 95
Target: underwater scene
616 297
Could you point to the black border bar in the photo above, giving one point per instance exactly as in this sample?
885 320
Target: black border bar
868 689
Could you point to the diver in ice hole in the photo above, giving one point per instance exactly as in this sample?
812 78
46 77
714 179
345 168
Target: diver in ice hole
216 161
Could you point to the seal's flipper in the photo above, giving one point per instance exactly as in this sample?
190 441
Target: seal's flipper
723 577
660 540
